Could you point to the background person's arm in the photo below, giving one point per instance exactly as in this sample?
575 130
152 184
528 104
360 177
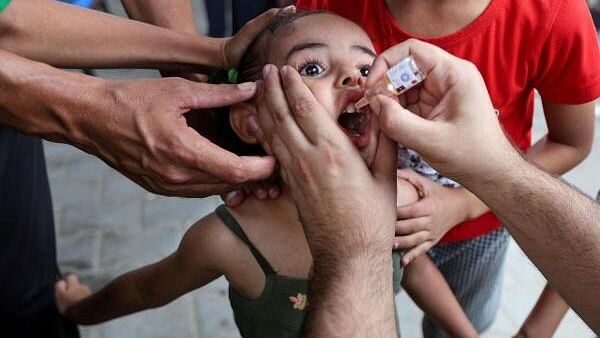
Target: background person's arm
137 127
69 37
557 226
173 14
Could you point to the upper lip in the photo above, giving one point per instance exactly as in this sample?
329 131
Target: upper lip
348 97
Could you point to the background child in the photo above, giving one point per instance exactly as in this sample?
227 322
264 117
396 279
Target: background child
260 246
518 46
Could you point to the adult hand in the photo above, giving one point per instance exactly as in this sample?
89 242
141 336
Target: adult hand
349 238
233 48
450 119
140 129
324 171
422 224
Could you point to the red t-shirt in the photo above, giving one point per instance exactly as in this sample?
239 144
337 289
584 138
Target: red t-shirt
518 46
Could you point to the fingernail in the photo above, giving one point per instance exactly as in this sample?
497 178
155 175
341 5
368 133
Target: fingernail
266 71
261 194
290 9
230 196
252 124
284 71
246 86
273 192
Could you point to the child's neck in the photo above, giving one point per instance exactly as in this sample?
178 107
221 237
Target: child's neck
435 18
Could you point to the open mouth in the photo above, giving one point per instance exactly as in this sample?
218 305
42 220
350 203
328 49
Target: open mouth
356 124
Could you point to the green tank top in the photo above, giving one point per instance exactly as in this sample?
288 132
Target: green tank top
279 311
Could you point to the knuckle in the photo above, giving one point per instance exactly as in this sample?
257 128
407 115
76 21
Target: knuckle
173 176
302 107
236 174
280 114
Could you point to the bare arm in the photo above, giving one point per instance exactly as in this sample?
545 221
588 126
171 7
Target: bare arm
195 263
557 226
173 14
69 37
568 142
132 125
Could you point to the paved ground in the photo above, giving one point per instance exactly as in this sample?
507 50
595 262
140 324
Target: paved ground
106 225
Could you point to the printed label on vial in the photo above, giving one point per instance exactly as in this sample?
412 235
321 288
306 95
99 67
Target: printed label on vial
403 76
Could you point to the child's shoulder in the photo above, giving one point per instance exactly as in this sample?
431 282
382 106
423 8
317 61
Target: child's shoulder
210 240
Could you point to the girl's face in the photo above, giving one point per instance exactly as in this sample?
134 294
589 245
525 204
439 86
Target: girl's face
333 56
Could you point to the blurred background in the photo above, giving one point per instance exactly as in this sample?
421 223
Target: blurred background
107 225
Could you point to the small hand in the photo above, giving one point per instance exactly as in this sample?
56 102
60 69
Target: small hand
69 291
262 190
422 224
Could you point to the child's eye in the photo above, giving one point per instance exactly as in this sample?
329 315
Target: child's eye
364 70
311 69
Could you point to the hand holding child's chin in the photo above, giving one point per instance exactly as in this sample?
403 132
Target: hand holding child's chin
69 291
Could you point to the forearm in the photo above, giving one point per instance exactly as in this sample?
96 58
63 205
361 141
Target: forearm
119 298
69 37
427 287
41 100
555 225
351 297
173 14
556 157
544 319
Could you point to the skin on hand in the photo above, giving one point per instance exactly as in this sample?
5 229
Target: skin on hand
422 224
69 291
139 128
429 122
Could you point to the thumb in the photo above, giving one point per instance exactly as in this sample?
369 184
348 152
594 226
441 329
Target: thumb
400 124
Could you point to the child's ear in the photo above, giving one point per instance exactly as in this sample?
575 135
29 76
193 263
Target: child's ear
238 118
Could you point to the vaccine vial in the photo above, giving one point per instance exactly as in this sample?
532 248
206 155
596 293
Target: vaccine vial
398 79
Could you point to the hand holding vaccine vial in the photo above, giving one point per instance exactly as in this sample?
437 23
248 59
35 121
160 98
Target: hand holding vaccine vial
397 80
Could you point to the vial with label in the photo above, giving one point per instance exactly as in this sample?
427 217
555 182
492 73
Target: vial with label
398 79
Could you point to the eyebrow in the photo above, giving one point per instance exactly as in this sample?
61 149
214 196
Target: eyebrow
303 46
315 45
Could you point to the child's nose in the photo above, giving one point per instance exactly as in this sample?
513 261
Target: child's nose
351 79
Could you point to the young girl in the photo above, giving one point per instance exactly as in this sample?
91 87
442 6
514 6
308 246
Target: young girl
260 246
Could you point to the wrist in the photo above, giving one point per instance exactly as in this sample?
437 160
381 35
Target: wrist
42 100
472 207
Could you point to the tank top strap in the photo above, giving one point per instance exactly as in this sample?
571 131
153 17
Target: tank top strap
231 223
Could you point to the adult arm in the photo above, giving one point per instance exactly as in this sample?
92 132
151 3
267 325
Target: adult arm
351 287
70 37
177 15
137 127
557 226
568 142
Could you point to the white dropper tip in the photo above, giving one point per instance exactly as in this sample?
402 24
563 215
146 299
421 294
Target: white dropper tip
363 102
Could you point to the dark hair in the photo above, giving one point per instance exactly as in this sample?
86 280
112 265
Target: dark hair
250 70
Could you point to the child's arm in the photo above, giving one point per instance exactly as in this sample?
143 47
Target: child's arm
569 139
195 263
545 317
427 287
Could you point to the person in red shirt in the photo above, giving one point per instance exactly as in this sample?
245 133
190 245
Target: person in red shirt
519 47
